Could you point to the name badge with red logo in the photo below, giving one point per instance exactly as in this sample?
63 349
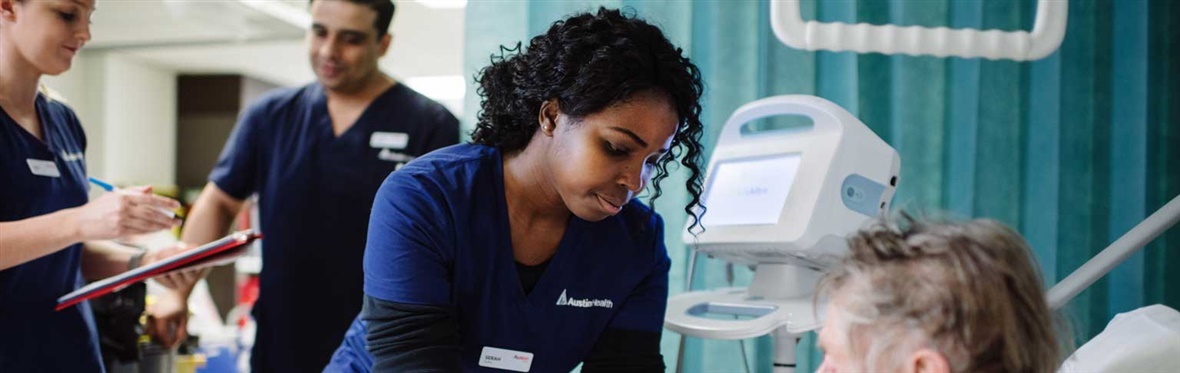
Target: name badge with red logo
499 358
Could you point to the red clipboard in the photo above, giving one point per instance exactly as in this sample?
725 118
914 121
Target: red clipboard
224 250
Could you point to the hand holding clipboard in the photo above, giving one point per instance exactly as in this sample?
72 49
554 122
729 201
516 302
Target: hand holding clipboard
221 251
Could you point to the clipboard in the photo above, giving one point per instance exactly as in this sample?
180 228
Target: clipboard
224 250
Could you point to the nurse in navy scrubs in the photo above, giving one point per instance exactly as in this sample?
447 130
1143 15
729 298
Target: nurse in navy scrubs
526 250
49 233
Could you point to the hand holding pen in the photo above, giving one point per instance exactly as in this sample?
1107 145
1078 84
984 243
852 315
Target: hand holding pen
124 212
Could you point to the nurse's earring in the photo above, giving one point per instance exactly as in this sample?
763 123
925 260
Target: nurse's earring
547 116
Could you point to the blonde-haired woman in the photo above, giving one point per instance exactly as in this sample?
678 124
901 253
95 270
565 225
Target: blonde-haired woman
49 232
924 296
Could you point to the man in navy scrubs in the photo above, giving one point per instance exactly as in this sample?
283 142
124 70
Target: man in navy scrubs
316 155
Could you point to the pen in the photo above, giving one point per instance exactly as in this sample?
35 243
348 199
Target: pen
111 188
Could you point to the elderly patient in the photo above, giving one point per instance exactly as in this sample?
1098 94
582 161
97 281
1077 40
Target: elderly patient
922 296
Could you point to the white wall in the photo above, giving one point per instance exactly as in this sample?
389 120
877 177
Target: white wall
140 122
128 110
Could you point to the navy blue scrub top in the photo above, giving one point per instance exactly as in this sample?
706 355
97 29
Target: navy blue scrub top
315 191
439 235
34 337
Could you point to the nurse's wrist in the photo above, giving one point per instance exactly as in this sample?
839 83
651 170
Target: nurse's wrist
73 228
181 293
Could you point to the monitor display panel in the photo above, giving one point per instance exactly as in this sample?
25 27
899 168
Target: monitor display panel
750 191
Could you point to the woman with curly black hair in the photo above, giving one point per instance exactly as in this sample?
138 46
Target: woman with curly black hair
526 250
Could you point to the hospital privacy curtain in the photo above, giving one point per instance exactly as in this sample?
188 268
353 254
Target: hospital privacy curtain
1072 150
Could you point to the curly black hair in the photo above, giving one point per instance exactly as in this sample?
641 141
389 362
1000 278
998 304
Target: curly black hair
589 62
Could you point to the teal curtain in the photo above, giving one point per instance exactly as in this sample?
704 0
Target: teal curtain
1072 150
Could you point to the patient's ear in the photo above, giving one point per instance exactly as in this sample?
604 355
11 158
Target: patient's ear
928 361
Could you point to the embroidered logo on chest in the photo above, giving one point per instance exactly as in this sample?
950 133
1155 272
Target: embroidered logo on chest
392 156
565 300
70 157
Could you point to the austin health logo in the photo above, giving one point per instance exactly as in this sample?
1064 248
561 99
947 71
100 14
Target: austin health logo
563 300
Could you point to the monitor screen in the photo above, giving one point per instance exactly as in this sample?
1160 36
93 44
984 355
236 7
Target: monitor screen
750 191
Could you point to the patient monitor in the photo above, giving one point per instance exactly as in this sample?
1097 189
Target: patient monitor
783 202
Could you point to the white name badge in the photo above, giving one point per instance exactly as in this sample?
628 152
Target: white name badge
499 358
43 168
389 140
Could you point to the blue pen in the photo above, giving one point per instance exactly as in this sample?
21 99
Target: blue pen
102 184
111 188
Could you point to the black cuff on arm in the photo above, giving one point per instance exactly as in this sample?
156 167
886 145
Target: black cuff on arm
620 350
411 338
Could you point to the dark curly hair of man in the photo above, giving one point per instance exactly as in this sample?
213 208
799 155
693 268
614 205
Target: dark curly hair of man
589 62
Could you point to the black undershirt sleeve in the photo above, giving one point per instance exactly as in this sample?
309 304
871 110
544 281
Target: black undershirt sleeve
411 338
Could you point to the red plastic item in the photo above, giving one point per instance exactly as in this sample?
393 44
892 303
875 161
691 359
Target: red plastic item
217 252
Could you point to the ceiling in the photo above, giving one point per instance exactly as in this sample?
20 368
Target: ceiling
146 23
264 38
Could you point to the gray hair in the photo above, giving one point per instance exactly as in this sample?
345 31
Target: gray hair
969 290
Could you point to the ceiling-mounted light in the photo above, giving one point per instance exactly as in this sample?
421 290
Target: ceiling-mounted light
293 12
443 4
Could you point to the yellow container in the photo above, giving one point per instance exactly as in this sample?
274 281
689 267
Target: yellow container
189 363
